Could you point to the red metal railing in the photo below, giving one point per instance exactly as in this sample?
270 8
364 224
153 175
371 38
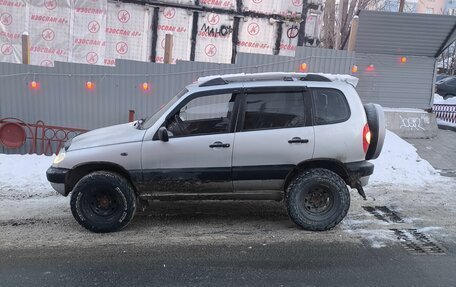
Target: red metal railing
445 112
38 138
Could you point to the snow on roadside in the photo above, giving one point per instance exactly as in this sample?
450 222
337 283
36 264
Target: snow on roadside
399 164
438 99
24 176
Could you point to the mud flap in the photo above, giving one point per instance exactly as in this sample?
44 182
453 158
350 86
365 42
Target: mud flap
360 189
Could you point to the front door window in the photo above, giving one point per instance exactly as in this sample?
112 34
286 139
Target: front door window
203 116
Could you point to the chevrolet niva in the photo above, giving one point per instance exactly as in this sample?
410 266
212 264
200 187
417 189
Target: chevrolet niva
298 137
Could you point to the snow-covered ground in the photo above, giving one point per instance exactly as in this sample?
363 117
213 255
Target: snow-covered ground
438 99
400 165
24 176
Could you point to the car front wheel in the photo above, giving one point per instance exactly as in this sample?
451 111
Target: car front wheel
317 199
103 202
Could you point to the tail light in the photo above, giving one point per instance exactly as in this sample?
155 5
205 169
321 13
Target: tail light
366 138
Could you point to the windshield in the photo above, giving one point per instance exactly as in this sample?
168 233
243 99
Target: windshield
148 122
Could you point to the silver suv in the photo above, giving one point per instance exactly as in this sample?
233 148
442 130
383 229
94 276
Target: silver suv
301 138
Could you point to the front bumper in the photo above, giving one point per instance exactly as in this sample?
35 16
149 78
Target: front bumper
56 176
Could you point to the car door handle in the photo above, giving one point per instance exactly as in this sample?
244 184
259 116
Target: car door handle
219 144
298 140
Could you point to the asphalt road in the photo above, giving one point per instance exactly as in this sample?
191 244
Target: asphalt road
284 264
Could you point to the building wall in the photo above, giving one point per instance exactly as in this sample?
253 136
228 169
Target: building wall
431 6
450 7
410 6
99 32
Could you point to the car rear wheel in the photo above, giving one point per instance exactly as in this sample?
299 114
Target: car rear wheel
317 199
103 202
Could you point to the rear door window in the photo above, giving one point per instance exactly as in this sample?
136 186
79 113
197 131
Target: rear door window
330 106
273 110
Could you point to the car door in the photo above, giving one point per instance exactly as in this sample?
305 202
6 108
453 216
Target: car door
198 156
273 135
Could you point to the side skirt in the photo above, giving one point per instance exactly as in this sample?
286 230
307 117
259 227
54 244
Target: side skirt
264 195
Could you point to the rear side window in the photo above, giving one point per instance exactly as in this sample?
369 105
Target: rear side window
274 110
330 106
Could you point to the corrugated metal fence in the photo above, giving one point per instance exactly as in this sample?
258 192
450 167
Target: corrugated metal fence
63 99
393 84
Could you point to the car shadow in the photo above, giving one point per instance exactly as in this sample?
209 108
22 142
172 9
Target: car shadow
207 210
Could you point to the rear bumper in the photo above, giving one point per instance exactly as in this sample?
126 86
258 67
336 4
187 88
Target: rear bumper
359 172
361 168
56 176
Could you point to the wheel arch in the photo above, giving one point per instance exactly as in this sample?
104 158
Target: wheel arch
330 164
80 170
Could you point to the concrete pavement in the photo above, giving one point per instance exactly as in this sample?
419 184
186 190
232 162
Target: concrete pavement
440 151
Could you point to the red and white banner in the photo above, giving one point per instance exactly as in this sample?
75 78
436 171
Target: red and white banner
269 7
289 7
127 30
260 6
179 23
49 29
256 36
188 2
88 31
13 22
220 4
214 38
289 39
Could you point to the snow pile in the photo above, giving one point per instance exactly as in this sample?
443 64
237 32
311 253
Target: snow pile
439 100
399 164
376 238
24 176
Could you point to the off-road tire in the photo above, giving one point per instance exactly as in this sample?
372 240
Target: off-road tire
303 186
103 202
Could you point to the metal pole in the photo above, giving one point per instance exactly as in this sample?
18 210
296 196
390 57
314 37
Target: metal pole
25 48
131 116
353 32
168 49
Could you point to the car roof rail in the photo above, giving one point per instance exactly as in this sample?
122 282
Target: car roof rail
277 76
214 82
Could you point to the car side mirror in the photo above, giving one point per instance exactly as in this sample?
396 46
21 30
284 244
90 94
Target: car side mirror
163 134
